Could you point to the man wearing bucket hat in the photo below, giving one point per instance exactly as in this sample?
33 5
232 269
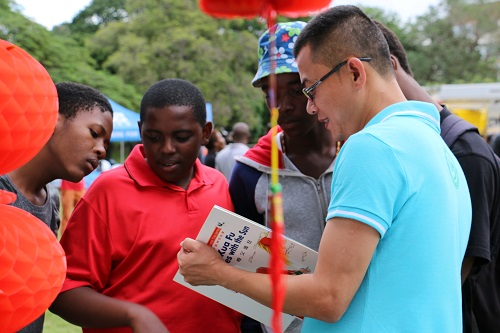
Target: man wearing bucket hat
306 152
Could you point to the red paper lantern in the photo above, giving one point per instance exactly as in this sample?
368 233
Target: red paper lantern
32 263
252 8
32 267
28 107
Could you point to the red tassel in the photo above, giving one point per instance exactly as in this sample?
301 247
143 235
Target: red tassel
277 258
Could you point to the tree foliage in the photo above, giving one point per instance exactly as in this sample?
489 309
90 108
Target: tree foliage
121 47
174 39
98 14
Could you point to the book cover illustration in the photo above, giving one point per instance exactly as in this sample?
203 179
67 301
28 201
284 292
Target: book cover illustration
246 245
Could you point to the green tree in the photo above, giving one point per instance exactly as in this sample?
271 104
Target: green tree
174 39
62 56
444 54
98 14
122 47
479 20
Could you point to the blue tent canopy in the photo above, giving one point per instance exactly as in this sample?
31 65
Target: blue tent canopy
125 126
210 116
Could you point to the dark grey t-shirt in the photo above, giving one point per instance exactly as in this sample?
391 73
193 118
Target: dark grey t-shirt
48 213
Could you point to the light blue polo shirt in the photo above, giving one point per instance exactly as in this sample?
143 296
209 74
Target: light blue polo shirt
398 176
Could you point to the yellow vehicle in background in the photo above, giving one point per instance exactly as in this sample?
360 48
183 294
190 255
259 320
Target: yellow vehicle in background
473 114
478 103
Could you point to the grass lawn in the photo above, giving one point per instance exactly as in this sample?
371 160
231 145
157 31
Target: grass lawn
54 324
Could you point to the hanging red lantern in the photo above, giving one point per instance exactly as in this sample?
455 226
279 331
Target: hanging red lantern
32 266
252 8
32 263
28 107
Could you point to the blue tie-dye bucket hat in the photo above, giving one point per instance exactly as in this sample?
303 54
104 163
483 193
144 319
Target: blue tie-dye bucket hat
286 35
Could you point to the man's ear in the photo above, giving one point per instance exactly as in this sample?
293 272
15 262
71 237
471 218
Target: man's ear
357 70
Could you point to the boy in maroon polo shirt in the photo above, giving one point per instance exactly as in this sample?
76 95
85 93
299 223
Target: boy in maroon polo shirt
122 240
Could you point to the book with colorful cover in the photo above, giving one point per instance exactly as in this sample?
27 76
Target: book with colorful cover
246 244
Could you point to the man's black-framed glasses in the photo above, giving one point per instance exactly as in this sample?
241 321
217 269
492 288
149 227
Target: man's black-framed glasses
307 91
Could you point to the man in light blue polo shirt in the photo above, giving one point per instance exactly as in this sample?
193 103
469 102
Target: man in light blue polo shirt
383 178
400 213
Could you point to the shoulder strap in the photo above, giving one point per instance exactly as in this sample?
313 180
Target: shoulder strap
452 127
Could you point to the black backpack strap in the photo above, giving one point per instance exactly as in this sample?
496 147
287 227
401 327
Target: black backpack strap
452 127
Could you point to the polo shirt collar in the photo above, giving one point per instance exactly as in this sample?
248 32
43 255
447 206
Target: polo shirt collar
422 110
144 176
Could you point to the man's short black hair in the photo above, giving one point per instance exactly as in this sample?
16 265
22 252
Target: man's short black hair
75 97
342 32
175 92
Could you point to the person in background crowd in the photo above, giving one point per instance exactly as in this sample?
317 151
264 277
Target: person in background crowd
215 144
224 160
495 144
70 193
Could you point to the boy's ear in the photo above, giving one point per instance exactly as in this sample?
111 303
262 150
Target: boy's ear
139 124
61 118
394 62
207 131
